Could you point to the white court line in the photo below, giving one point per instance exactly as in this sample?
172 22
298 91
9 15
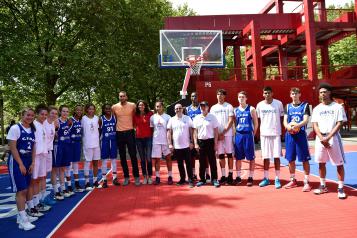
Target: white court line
74 208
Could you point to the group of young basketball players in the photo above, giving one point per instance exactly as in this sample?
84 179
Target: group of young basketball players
44 143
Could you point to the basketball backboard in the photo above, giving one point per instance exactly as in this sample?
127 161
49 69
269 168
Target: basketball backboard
177 46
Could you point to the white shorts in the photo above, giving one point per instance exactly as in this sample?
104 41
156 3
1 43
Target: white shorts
39 170
270 146
49 161
334 154
225 146
91 154
159 150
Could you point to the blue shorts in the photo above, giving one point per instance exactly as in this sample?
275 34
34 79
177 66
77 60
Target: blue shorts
76 149
18 181
109 149
297 146
61 155
244 146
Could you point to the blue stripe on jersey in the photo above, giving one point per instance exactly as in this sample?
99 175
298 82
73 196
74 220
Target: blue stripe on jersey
25 142
63 133
76 130
296 113
108 128
244 120
193 112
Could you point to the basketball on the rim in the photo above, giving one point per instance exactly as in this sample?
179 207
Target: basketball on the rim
295 130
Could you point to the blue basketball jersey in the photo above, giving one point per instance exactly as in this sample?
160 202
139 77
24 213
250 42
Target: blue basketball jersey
108 128
244 120
191 112
25 143
76 130
296 113
63 133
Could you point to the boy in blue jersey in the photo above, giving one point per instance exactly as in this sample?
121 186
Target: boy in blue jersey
296 117
246 121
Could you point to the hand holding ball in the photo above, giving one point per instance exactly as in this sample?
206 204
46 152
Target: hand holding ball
293 129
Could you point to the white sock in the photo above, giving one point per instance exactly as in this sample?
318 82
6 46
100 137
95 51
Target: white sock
55 188
104 176
193 171
87 180
266 174
306 178
23 215
36 199
43 194
157 174
104 167
69 183
30 204
114 165
323 181
170 173
94 179
86 168
76 180
207 170
114 175
251 173
223 171
230 170
340 184
277 173
239 172
63 187
292 177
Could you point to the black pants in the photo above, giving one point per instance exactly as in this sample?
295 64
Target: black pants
127 138
207 153
183 155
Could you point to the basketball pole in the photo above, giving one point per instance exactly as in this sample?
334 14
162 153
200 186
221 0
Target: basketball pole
183 92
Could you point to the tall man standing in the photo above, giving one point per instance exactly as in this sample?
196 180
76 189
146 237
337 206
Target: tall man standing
270 112
124 112
327 119
223 111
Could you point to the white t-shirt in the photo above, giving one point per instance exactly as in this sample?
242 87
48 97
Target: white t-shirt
222 113
40 138
327 116
90 132
15 133
180 131
50 133
205 126
159 123
270 117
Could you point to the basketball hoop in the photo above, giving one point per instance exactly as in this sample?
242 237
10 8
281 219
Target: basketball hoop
194 62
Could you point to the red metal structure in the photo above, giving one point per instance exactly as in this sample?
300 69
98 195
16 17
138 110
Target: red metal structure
275 46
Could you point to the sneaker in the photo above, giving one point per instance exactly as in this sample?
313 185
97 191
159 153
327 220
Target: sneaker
341 194
291 184
34 213
70 190
230 179
264 182
126 181
58 196
29 218
306 188
216 183
191 184
322 189
200 183
137 181
78 188
145 181
223 180
49 201
88 187
238 180
26 225
157 181
42 207
105 184
181 182
250 182
170 181
149 180
66 194
194 178
277 183
96 184
208 178
116 182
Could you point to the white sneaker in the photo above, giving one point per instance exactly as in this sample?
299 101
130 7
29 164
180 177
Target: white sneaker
341 194
145 181
34 213
149 180
42 207
26 225
29 218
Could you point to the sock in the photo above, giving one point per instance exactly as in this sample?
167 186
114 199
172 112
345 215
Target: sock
94 179
76 180
104 176
36 199
230 170
266 174
69 183
292 177
114 166
55 188
223 172
104 167
114 175
251 173
157 174
23 215
340 184
63 187
277 173
86 168
170 173
194 171
306 178
239 173
323 181
43 194
87 179
207 170
30 204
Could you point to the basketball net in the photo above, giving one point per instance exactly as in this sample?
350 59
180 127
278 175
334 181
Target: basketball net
194 63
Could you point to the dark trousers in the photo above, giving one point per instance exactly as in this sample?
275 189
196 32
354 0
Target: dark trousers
144 146
207 153
183 155
127 138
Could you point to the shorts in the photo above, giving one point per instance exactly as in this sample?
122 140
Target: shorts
109 149
39 170
270 146
18 181
244 146
76 151
61 155
334 154
49 161
297 146
91 154
160 150
225 146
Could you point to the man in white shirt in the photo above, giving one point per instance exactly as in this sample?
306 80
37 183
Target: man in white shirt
179 134
225 115
270 112
327 120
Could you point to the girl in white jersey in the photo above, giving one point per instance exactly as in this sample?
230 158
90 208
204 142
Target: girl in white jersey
91 149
